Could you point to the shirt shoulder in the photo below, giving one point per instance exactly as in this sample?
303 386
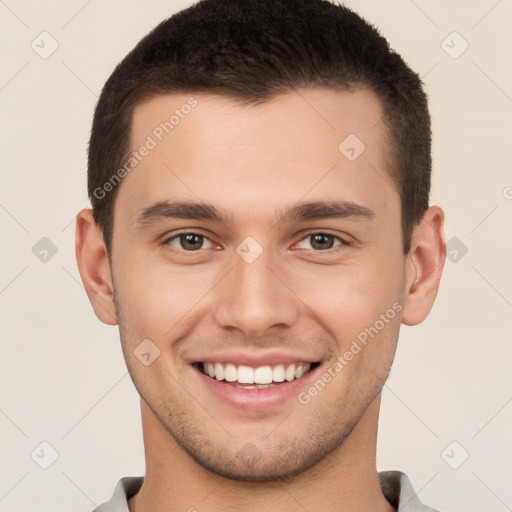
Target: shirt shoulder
395 485
398 490
124 490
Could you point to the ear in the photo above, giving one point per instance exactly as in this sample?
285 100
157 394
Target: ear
94 268
424 266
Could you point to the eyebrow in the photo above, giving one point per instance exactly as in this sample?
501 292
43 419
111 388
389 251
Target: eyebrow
163 210
327 210
178 210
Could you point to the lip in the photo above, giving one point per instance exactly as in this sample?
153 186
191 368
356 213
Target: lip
255 399
268 358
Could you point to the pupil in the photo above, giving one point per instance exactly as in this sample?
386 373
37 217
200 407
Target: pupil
320 241
188 241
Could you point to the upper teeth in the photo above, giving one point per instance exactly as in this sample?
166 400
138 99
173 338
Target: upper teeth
261 375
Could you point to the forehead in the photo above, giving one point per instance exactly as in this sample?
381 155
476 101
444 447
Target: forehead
318 115
317 143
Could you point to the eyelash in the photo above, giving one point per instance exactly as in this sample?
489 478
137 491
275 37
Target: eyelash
343 242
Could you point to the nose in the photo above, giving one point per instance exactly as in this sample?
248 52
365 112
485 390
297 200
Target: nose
254 298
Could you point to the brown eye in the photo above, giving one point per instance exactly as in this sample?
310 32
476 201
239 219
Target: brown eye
188 241
321 241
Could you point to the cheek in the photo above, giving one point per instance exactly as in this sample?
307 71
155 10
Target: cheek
350 298
155 296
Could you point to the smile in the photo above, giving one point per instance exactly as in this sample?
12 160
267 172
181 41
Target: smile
261 377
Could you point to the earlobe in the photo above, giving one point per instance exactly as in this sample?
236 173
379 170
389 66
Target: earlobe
424 266
93 265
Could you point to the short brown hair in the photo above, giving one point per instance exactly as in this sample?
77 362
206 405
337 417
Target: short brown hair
251 51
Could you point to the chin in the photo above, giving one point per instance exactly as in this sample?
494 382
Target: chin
276 463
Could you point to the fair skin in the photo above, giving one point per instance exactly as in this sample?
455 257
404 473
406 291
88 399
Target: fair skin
211 446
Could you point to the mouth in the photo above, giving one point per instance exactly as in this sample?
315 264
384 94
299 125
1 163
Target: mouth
255 388
261 377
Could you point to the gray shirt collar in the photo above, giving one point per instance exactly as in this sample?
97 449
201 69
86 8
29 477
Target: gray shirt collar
395 485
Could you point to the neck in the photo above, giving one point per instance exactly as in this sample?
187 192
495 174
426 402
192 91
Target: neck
345 480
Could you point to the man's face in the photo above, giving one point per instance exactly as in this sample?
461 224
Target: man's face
259 288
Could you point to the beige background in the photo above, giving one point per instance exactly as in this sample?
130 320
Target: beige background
62 376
